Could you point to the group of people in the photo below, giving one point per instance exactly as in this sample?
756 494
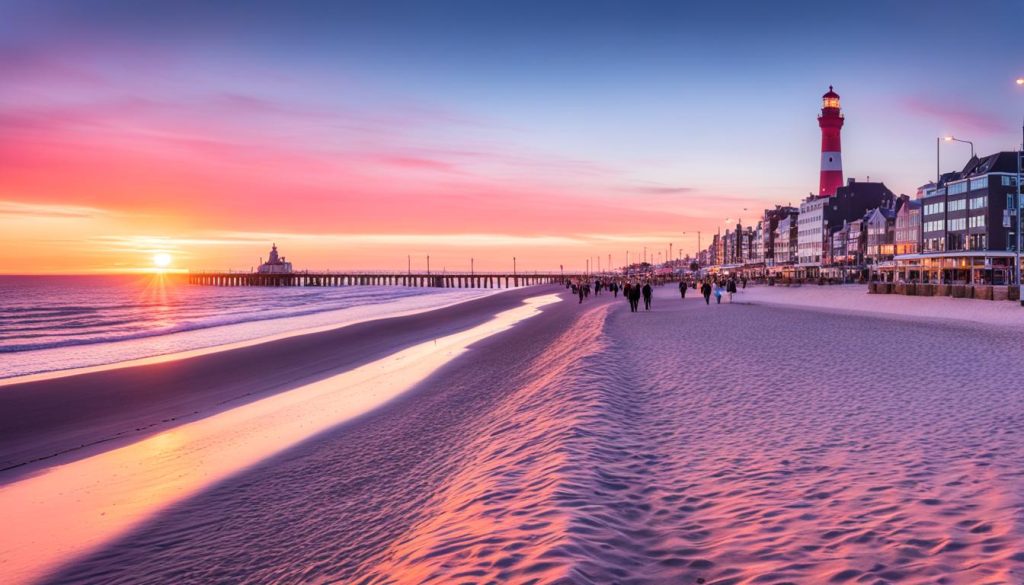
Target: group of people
712 287
634 290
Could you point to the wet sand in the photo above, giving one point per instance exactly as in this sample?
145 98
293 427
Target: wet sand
731 444
72 508
75 416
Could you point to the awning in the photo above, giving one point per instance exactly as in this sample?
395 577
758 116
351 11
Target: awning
966 254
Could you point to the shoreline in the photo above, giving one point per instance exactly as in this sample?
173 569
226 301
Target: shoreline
117 489
345 316
74 416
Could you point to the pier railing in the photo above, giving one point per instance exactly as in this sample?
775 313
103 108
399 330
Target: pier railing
328 278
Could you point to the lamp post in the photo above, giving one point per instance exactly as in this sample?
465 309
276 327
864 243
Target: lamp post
1020 154
953 139
513 266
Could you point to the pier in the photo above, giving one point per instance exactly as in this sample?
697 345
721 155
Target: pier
322 279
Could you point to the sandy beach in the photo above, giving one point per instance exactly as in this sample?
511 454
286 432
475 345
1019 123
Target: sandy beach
726 444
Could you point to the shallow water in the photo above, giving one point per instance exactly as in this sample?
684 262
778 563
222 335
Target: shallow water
724 444
50 323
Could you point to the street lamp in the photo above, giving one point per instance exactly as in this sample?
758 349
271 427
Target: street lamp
1020 154
952 139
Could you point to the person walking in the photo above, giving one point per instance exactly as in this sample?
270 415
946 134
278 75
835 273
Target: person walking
634 298
717 291
730 287
580 289
682 288
648 291
615 288
705 289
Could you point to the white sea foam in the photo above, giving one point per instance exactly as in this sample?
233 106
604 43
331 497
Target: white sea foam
57 324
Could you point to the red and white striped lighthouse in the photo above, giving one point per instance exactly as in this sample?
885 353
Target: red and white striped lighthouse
831 123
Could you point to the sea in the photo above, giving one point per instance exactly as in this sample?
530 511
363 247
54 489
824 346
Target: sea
53 323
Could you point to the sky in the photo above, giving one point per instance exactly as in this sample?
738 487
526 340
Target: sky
369 135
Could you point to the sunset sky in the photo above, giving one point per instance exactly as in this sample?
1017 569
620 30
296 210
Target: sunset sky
356 133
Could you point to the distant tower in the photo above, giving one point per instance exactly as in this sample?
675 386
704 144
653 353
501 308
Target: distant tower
831 123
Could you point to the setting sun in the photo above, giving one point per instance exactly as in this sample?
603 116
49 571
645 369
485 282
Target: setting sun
162 260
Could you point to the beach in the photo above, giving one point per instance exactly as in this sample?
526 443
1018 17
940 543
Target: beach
740 443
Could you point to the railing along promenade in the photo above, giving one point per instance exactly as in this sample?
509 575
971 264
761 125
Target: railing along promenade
413 279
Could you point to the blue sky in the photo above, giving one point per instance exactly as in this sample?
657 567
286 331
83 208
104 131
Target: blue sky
638 119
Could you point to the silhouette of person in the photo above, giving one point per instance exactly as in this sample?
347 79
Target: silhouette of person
634 298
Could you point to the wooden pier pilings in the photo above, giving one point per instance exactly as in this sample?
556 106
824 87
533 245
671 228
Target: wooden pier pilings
338 279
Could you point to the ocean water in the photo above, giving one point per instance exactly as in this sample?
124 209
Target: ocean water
50 323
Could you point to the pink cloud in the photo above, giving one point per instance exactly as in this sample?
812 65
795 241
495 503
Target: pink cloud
954 115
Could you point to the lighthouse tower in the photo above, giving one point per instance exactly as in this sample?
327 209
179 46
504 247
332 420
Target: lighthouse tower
831 123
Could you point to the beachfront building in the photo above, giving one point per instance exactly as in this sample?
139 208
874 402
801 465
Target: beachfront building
275 264
880 228
730 252
757 246
756 261
967 226
786 239
770 224
716 256
745 245
820 216
907 239
856 243
839 256
812 231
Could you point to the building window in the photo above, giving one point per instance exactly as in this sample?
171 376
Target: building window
979 202
1009 181
957 188
977 221
979 183
958 205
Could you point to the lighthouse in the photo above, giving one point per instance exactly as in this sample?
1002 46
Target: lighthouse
831 123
